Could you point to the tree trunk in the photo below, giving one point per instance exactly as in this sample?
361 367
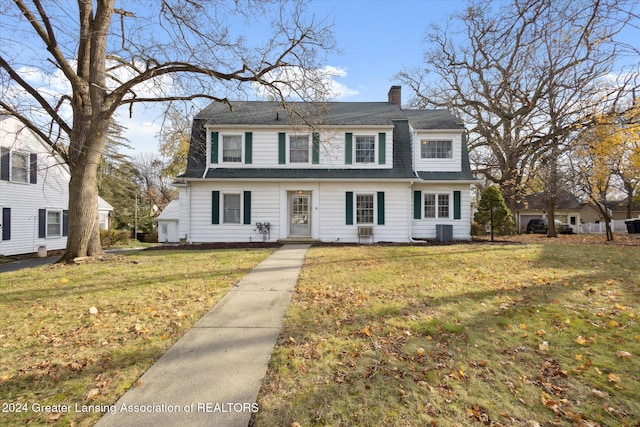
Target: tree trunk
90 135
84 235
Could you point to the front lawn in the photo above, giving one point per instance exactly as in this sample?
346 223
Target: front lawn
470 334
82 335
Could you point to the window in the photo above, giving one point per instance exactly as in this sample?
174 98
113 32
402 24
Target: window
54 223
435 149
365 149
364 208
436 205
19 167
232 148
231 205
299 149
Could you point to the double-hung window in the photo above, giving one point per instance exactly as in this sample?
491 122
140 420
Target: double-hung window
436 205
19 167
435 149
365 149
231 207
54 223
299 149
364 208
232 148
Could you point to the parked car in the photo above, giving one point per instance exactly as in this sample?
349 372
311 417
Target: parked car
540 225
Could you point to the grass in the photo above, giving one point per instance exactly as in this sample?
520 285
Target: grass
84 334
478 334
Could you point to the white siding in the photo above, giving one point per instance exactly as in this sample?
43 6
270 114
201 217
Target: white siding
332 148
265 207
438 165
425 228
171 234
333 227
51 192
270 203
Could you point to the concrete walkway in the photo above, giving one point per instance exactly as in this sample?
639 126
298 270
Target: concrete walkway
212 375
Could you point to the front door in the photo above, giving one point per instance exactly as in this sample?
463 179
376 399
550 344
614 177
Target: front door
300 214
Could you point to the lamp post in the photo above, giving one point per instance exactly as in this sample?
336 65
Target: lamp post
109 229
491 220
135 220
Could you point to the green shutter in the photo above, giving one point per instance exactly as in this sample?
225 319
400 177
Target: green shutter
417 205
349 207
348 148
315 150
456 205
382 148
247 207
214 147
380 207
282 148
215 207
248 147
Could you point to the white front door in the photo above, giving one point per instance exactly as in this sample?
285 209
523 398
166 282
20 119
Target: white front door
300 214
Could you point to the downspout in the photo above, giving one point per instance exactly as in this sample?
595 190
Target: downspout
415 174
410 216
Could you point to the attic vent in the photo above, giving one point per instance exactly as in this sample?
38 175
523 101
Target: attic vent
277 116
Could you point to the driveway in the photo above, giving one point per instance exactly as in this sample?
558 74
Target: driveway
36 262
27 263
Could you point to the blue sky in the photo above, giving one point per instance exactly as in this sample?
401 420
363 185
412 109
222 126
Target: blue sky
380 37
377 39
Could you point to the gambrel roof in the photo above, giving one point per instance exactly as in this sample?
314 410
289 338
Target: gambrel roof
252 114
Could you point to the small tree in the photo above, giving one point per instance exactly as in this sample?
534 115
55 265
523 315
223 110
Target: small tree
493 211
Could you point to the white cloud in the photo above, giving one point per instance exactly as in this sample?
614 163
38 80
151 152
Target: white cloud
339 90
319 84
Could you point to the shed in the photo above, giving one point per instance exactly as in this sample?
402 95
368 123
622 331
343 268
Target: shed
168 223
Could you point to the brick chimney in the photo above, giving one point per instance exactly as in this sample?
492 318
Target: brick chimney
395 96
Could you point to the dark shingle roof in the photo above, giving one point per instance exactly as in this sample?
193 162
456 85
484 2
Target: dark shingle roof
537 201
274 114
265 113
433 119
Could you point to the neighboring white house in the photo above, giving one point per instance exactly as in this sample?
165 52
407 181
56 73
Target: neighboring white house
168 231
34 192
105 210
337 171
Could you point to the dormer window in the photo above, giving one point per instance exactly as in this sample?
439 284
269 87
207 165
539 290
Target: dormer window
436 149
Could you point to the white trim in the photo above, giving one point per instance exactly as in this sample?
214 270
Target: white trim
27 156
449 194
61 224
354 145
309 149
222 208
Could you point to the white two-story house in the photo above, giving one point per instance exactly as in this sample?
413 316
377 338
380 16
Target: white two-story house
334 172
34 192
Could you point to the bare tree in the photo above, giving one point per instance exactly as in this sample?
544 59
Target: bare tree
98 58
155 188
522 75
